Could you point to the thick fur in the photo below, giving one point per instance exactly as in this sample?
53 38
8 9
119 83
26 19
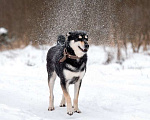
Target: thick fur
61 40
71 71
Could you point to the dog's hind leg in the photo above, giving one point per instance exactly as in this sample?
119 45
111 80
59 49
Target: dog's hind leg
63 101
65 89
51 81
77 86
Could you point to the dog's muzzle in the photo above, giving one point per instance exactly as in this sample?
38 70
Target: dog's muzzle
86 47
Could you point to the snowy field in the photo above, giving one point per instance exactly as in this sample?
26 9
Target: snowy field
108 92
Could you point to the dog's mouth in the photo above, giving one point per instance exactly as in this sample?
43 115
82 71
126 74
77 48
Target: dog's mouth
83 50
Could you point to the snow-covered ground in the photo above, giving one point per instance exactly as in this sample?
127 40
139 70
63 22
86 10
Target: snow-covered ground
108 92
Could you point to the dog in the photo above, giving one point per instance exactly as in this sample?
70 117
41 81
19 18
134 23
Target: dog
68 61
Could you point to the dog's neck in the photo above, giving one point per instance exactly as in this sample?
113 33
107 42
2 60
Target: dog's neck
69 49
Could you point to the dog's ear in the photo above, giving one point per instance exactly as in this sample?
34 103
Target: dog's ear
68 34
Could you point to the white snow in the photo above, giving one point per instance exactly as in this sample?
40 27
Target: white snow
108 92
3 31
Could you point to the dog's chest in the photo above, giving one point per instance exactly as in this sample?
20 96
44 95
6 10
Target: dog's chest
72 74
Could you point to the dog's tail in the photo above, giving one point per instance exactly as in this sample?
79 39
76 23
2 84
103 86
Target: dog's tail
61 40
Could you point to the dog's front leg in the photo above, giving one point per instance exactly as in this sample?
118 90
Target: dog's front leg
67 98
77 86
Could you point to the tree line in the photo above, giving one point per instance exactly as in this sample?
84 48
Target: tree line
108 22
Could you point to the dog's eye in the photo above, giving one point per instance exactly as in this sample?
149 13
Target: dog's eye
86 36
80 36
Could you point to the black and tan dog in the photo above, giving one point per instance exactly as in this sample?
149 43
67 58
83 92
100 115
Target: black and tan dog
67 60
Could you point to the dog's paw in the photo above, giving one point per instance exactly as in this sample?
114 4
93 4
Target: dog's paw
77 111
70 111
50 108
62 105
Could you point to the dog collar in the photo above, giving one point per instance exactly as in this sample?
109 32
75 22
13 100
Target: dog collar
67 55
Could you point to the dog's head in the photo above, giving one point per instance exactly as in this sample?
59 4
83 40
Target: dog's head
78 41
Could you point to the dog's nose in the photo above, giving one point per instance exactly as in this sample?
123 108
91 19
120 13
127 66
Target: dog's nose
86 45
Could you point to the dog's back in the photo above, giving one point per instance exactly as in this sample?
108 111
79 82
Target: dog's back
53 56
55 53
